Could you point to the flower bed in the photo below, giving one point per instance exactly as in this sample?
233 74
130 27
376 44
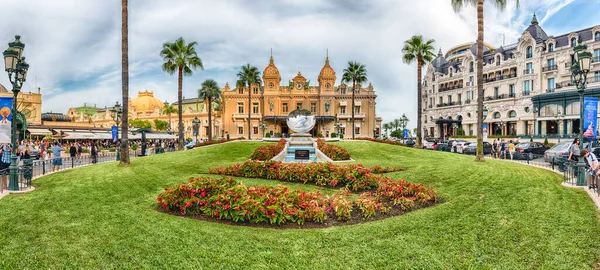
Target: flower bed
382 141
225 199
351 176
205 143
334 152
267 152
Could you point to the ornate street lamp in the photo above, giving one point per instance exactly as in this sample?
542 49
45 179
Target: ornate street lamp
196 125
15 65
559 117
337 126
403 122
117 111
579 71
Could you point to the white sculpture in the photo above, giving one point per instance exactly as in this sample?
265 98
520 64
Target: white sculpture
301 123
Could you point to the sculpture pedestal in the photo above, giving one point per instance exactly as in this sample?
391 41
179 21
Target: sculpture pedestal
304 144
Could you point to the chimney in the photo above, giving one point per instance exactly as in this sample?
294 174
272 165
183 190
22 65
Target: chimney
39 90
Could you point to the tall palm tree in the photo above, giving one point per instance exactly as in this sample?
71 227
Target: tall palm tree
209 92
386 127
181 58
357 74
124 149
416 48
248 75
169 109
457 5
396 124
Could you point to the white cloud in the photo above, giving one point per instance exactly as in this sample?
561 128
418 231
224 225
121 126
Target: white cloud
73 46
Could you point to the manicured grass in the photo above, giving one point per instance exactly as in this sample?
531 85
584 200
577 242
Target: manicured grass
496 215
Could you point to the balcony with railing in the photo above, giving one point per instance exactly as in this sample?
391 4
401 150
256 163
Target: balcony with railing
502 96
455 103
348 115
245 115
499 78
450 88
528 71
550 90
549 68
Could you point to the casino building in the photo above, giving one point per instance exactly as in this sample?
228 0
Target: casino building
271 103
527 86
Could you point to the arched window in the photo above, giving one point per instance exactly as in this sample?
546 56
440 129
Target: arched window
497 115
529 52
512 114
497 60
573 42
551 47
597 36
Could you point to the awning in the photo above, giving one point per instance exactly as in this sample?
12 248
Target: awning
39 131
79 136
160 136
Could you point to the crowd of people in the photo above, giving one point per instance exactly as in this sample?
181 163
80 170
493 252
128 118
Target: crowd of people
502 149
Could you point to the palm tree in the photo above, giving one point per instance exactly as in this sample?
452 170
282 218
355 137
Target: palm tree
209 92
416 48
124 149
386 127
169 109
248 75
357 74
180 57
457 5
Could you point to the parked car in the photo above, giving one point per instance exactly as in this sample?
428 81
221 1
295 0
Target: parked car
428 142
35 154
451 142
471 148
443 146
529 150
460 146
410 143
561 149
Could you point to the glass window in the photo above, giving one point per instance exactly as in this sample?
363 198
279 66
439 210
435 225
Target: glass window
356 130
497 115
254 107
529 52
356 109
551 85
496 91
512 114
596 55
471 67
573 42
298 105
240 107
343 90
284 107
255 130
255 91
240 90
449 98
441 100
313 107
529 68
597 76
342 109
526 88
551 47
549 110
550 64
572 108
240 130
597 36
511 90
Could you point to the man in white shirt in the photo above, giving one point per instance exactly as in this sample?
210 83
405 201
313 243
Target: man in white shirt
594 170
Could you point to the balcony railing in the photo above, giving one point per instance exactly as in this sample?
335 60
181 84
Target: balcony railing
455 103
551 90
347 115
450 88
470 83
502 96
501 77
549 68
528 71
245 115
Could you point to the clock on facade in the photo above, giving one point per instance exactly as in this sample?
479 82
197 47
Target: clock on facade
299 86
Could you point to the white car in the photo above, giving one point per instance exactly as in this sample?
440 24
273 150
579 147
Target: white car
460 146
428 143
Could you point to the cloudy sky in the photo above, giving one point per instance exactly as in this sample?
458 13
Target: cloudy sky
73 46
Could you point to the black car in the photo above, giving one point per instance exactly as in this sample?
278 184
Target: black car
410 143
443 146
471 149
529 150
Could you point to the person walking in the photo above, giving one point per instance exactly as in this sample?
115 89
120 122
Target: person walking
5 151
574 150
56 156
511 149
94 152
503 149
594 167
494 148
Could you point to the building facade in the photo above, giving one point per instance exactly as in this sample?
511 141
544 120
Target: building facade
528 89
272 102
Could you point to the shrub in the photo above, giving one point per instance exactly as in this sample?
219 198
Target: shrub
268 135
267 152
351 176
545 141
134 147
278 135
320 135
334 152
334 135
341 135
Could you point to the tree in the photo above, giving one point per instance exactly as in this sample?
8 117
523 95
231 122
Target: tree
209 92
357 74
248 75
181 58
137 123
386 127
124 83
457 5
160 125
169 109
416 48
396 124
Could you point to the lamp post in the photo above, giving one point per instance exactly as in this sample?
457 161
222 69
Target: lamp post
403 122
579 71
196 125
337 126
263 126
559 117
116 112
15 65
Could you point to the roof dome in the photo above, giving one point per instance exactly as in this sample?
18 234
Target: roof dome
146 102
2 88
327 72
271 71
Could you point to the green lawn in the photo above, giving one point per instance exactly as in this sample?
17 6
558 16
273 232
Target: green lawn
495 215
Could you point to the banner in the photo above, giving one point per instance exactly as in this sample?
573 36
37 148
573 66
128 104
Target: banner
6 113
405 134
590 118
115 134
484 131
